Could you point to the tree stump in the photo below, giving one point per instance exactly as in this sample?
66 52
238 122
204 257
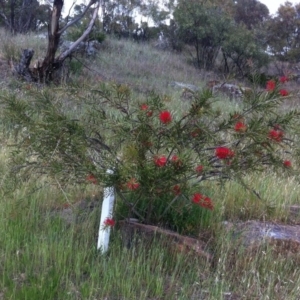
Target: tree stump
22 68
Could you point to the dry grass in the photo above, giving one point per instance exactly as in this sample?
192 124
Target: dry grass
42 257
11 46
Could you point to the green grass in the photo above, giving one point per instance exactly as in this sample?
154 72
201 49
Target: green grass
277 194
44 257
143 66
41 257
11 46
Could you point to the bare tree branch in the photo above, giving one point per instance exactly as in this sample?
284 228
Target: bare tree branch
79 17
67 17
65 54
5 18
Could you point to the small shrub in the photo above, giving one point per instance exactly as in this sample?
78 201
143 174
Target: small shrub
75 33
97 36
75 67
162 159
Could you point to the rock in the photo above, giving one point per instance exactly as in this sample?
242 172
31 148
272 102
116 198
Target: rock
79 212
188 90
42 35
66 214
89 48
182 85
210 84
253 234
294 214
230 90
65 45
92 47
175 241
187 94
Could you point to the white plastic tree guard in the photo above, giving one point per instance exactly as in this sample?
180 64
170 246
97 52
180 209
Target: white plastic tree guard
106 212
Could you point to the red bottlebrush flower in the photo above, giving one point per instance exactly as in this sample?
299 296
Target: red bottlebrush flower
174 158
203 201
149 113
132 184
197 197
283 79
160 161
92 179
271 84
199 169
165 117
287 163
144 107
196 132
109 222
240 127
277 127
224 153
176 189
276 135
176 161
283 93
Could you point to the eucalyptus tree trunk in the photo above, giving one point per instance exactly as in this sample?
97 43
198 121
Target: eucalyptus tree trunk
49 63
44 70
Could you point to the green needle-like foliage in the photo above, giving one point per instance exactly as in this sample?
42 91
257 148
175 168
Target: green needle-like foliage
161 158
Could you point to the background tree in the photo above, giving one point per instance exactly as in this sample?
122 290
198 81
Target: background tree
21 16
203 25
242 52
210 27
42 16
283 33
251 13
119 16
158 11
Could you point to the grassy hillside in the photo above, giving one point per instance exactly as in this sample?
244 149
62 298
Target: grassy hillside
43 256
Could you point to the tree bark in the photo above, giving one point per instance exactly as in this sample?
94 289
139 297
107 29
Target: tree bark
22 69
12 16
44 72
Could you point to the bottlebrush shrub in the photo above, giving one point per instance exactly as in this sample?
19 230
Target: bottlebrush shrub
161 157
